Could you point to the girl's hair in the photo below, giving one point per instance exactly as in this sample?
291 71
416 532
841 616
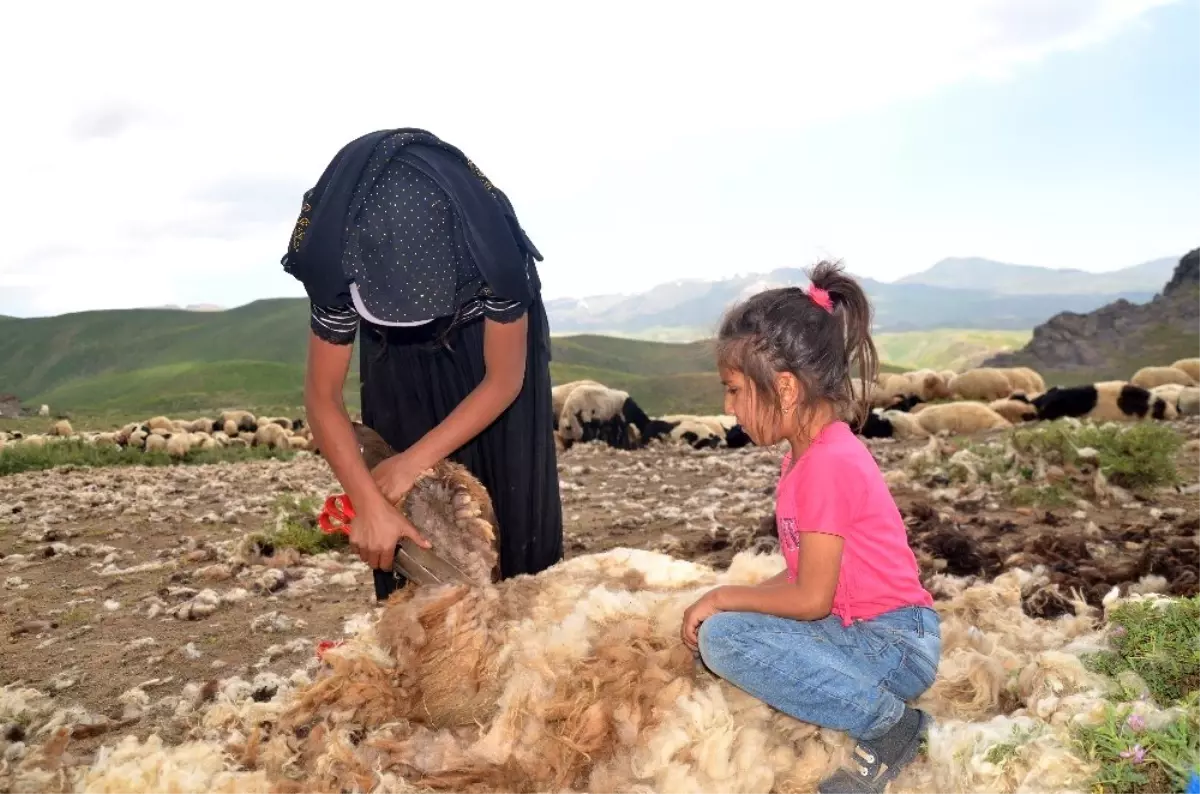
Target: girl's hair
815 334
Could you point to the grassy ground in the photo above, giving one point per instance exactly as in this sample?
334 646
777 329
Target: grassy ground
72 452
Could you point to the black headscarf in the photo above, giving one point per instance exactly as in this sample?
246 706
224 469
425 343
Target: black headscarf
497 243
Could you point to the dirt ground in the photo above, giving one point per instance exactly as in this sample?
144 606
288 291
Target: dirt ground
120 588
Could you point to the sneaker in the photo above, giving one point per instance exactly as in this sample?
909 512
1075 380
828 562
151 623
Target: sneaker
877 762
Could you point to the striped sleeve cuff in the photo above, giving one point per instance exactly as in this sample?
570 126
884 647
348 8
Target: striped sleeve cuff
334 324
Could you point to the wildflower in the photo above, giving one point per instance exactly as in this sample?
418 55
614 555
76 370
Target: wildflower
1136 722
1136 754
1119 632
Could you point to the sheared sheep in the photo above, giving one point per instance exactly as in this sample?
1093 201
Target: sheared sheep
1188 402
1149 377
1189 365
960 417
62 429
903 425
1023 379
983 383
1107 401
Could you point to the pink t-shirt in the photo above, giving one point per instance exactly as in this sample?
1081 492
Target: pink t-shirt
836 488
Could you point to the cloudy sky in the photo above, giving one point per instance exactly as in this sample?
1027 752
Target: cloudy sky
155 154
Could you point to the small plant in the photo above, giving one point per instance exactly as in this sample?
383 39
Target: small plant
296 527
1135 758
1041 496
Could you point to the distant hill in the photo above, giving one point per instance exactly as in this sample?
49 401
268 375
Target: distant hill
1005 279
1116 340
955 293
146 361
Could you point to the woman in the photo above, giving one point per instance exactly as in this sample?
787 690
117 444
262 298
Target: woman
404 238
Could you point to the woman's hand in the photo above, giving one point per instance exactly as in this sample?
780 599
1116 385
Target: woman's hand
696 614
377 531
396 476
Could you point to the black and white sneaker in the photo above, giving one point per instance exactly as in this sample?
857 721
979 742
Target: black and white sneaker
875 763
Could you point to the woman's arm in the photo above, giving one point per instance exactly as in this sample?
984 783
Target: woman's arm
504 346
382 525
810 597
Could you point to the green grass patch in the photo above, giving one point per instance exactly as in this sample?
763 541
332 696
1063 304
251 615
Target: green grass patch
1160 645
17 458
296 528
1044 496
1136 456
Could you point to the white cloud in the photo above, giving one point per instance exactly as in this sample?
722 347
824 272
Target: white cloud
149 145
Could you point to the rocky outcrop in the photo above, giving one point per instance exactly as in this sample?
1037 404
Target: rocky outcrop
10 406
1114 334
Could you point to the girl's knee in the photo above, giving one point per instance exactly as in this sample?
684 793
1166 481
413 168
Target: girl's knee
716 636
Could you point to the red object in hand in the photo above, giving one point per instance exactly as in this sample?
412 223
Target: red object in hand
336 508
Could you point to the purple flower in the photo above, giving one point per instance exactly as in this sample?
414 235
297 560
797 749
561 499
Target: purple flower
1136 722
1136 754
1119 632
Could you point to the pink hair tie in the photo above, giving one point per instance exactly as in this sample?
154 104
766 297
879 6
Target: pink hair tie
820 297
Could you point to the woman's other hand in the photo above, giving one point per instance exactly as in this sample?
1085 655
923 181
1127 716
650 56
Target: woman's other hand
396 476
376 532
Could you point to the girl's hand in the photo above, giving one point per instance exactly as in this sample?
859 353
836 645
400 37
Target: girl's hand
396 476
696 614
375 534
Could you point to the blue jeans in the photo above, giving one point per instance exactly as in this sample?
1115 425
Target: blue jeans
856 679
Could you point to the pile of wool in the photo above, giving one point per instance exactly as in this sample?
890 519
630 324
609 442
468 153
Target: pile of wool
576 679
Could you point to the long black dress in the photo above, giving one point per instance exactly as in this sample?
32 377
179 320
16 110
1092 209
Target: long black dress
406 253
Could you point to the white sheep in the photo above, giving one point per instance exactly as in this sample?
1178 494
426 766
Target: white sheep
960 417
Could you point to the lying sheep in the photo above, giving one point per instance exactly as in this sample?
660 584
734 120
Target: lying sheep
902 425
1191 366
1149 377
1188 402
1108 401
983 383
1023 379
1014 410
62 428
960 417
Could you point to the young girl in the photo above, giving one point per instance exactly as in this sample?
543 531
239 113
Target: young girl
845 635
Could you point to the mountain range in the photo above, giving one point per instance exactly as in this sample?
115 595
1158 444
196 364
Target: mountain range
954 293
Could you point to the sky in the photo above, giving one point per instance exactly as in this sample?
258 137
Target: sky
156 153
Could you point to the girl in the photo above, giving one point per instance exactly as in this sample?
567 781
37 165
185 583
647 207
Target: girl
404 243
845 635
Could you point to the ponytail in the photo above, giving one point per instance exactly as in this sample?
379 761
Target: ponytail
853 308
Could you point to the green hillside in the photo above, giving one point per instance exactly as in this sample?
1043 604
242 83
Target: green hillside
947 348
105 366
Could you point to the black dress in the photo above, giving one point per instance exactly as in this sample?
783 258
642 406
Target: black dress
406 242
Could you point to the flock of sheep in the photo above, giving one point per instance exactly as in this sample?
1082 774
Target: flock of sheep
914 404
179 437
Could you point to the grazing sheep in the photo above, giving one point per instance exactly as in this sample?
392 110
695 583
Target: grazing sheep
560 393
62 429
927 384
1014 410
1109 401
983 383
272 436
1189 365
1149 377
960 417
179 445
243 422
596 412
